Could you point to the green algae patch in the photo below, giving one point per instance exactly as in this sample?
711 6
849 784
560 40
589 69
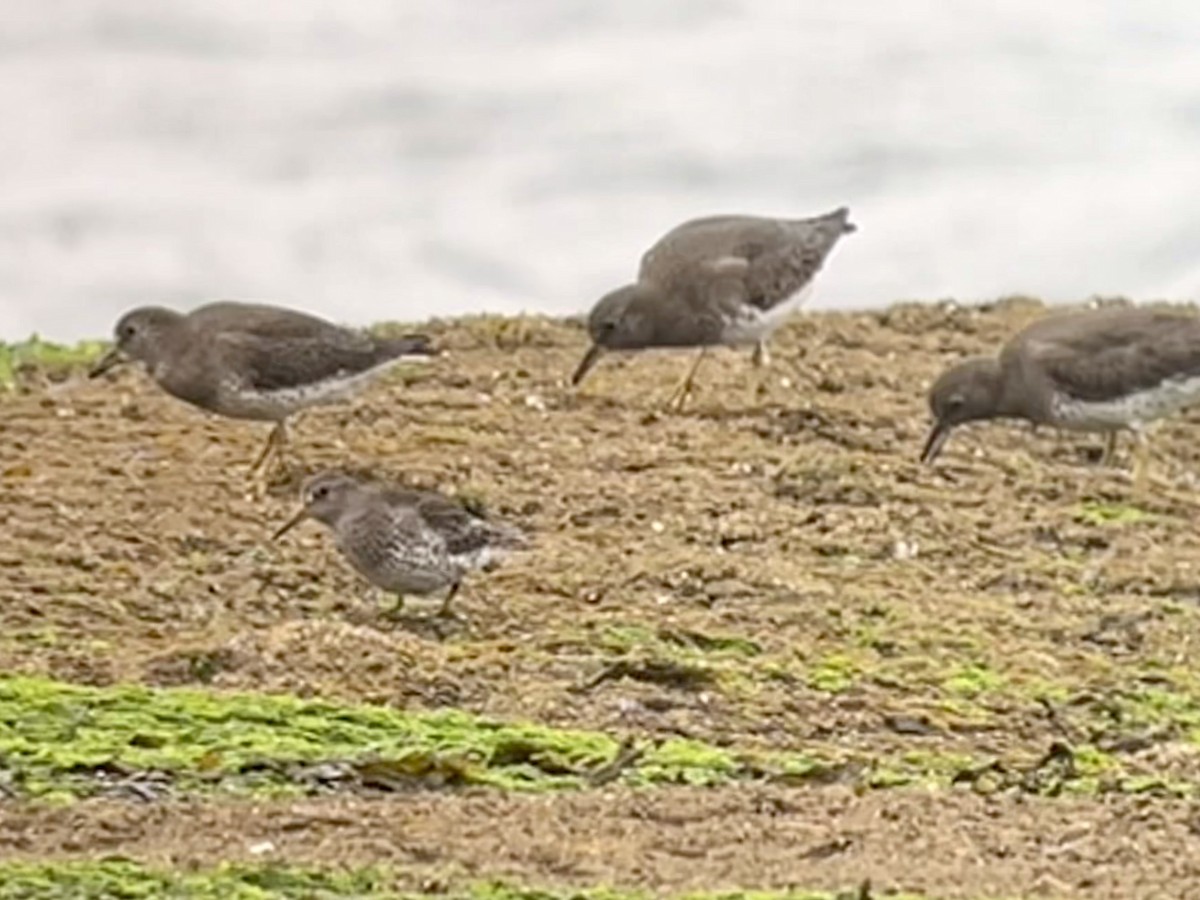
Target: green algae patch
55 736
834 674
689 762
36 355
1096 513
132 881
58 741
973 680
1160 707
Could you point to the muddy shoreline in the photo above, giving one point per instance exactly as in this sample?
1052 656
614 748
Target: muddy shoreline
780 537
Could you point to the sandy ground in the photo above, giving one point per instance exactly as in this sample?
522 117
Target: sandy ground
941 845
779 535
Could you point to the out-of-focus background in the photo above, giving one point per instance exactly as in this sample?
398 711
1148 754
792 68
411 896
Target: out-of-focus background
384 159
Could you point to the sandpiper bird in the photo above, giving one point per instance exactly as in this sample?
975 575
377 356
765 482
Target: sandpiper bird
723 280
1103 370
254 361
402 540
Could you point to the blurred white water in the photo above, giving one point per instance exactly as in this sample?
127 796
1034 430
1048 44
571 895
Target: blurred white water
383 159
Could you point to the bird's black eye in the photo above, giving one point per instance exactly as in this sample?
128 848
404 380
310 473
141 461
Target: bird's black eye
955 403
320 492
608 327
128 331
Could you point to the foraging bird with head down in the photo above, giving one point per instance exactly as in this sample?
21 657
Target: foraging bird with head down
254 361
722 280
402 540
1107 370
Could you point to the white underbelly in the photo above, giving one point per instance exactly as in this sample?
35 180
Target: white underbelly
753 324
413 580
283 402
1132 411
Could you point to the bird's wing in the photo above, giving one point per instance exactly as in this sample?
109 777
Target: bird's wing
262 319
457 527
1105 356
706 238
785 258
280 362
381 531
699 242
744 259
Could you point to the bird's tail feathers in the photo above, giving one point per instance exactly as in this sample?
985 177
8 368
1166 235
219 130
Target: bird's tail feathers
831 224
840 216
510 537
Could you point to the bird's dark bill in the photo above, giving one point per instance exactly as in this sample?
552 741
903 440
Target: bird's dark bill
112 358
291 523
937 439
589 359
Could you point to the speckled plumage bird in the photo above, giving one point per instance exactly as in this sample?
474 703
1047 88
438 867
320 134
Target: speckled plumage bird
722 280
254 361
1106 370
402 540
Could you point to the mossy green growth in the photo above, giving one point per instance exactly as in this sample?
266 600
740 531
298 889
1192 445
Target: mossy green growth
53 734
126 880
1160 707
1091 761
833 674
130 881
40 355
689 762
973 680
60 741
55 738
1095 513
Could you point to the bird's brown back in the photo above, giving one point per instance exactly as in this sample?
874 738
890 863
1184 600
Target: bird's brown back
1102 355
746 259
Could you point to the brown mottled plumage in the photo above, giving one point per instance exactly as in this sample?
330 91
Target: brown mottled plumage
402 540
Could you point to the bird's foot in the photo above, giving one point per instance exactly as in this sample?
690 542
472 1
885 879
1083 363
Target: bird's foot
280 478
272 465
678 398
394 611
761 356
449 617
1109 453
442 624
683 390
444 611
762 388
267 455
